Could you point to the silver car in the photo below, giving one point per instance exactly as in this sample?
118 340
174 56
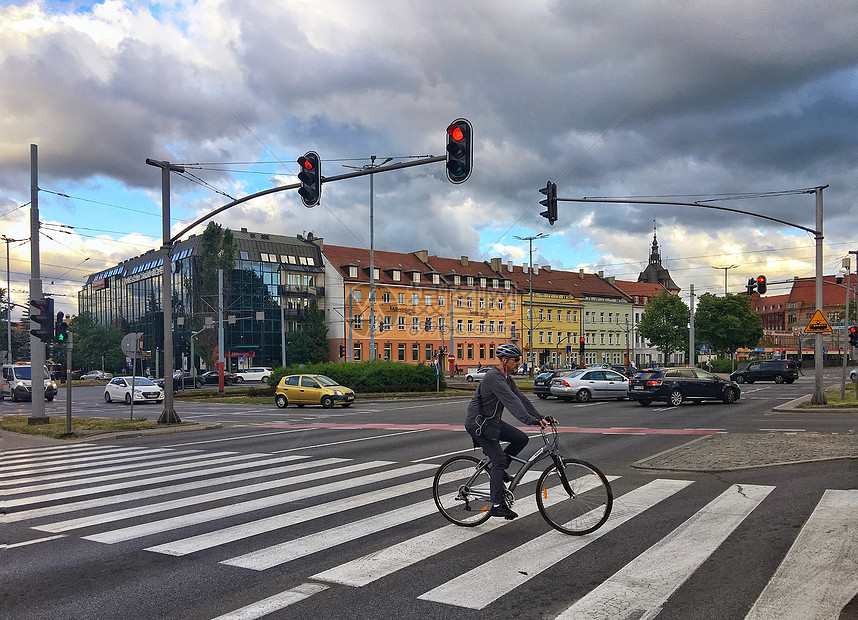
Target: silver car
590 383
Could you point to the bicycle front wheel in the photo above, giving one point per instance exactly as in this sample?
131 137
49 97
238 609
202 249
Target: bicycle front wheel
586 509
462 492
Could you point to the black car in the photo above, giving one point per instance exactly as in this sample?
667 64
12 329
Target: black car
677 385
212 377
542 382
182 381
779 371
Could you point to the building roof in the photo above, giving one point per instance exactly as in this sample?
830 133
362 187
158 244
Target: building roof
644 291
770 303
385 262
803 293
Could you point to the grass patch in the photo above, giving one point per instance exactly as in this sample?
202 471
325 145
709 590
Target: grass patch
81 427
834 401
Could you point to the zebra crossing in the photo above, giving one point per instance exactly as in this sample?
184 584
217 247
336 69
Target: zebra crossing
196 501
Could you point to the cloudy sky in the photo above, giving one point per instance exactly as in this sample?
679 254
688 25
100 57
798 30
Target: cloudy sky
683 101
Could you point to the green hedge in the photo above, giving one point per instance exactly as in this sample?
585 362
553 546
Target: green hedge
375 376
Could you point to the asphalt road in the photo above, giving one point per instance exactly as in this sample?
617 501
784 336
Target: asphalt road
306 512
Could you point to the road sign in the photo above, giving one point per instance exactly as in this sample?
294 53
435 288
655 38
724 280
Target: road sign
132 344
817 325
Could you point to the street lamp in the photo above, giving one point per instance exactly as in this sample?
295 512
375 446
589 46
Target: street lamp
369 166
725 275
530 274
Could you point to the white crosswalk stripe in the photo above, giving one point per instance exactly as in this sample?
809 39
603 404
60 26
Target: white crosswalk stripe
211 503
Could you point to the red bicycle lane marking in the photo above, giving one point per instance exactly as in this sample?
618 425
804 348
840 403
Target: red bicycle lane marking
460 428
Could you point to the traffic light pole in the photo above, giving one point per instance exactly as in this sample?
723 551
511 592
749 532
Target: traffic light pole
818 397
37 347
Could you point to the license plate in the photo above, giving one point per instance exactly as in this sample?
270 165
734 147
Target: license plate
637 387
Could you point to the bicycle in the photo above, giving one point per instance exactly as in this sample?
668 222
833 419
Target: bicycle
572 495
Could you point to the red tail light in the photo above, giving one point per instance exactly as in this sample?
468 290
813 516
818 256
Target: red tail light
653 383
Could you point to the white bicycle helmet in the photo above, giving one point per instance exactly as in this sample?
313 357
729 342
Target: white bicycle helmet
508 350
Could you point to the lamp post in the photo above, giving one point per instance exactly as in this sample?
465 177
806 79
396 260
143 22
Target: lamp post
725 275
530 274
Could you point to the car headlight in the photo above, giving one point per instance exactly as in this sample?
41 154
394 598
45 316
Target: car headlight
53 384
337 393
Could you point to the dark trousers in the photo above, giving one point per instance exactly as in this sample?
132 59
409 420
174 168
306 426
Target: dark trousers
500 458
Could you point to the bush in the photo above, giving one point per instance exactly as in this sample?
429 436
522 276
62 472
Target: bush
375 376
718 365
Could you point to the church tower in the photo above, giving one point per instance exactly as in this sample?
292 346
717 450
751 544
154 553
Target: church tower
654 272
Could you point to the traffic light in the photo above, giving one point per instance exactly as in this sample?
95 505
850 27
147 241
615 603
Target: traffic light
581 341
43 314
311 178
752 284
853 336
761 285
550 202
342 350
61 331
460 150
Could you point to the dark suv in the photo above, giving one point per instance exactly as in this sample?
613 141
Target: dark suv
779 371
677 385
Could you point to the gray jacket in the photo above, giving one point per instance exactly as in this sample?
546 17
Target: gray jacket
495 393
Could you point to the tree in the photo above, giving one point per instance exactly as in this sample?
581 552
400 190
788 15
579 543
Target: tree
217 251
727 323
665 323
94 343
309 345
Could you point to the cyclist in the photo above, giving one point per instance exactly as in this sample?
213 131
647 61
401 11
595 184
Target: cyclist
483 422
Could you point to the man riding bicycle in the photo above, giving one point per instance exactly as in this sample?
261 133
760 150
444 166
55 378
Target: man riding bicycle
483 422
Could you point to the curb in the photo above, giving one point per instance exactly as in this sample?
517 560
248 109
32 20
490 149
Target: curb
18 441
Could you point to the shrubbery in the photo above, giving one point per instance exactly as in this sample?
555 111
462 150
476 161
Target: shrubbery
375 376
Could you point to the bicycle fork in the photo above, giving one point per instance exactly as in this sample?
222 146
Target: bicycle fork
561 471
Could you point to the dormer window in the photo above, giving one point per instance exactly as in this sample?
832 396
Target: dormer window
415 277
353 271
436 279
470 280
457 280
396 275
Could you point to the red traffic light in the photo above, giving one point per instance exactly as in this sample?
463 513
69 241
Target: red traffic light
305 163
761 279
582 340
761 284
456 132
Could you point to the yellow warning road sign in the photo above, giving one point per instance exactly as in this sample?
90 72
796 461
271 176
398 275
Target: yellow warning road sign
817 324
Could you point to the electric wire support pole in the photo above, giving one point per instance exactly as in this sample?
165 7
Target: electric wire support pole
37 347
168 416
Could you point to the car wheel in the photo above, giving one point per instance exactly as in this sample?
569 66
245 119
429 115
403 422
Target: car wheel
676 398
583 396
542 396
779 378
107 398
645 403
729 396
327 401
127 399
740 379
239 379
469 379
281 401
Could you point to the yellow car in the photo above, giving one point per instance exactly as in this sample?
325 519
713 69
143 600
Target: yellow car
312 390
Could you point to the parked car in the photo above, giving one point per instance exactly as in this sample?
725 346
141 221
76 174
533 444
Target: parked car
182 381
212 377
118 389
679 384
477 375
312 390
590 383
542 382
779 371
624 369
853 375
257 373
96 375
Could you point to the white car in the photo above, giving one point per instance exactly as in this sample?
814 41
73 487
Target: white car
257 373
119 390
96 374
477 375
590 383
853 375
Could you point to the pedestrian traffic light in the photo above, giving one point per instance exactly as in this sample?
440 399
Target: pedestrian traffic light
460 150
853 336
761 285
61 331
550 202
311 178
43 314
752 284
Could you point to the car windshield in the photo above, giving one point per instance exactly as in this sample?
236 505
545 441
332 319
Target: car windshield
326 381
653 374
138 381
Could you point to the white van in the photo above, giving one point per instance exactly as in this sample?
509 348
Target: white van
15 382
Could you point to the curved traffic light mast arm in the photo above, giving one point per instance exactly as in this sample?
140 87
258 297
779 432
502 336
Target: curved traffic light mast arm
283 188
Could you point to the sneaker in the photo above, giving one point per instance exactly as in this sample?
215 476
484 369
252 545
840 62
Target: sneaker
502 511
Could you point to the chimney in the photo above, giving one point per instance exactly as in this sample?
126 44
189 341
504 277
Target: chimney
464 261
547 268
581 273
536 269
423 255
509 267
611 279
524 268
319 241
497 264
602 274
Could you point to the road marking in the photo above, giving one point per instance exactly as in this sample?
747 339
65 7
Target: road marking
197 443
819 574
640 588
337 443
31 542
274 603
488 582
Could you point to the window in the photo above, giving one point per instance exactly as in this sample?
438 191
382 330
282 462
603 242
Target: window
482 351
357 321
436 279
429 355
396 275
353 271
385 297
356 351
401 299
400 352
541 337
428 324
470 326
414 299
491 304
491 327
428 300
470 302
401 324
356 295
483 282
501 327
549 314
415 277
415 352
440 300
482 326
457 280
470 351
500 304
458 301
470 280
243 255
441 323
459 325
415 323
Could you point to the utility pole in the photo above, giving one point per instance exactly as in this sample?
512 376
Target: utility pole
818 397
168 416
9 357
37 347
691 358
725 275
530 274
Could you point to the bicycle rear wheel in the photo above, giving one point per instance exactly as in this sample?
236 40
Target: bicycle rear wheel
586 509
461 492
